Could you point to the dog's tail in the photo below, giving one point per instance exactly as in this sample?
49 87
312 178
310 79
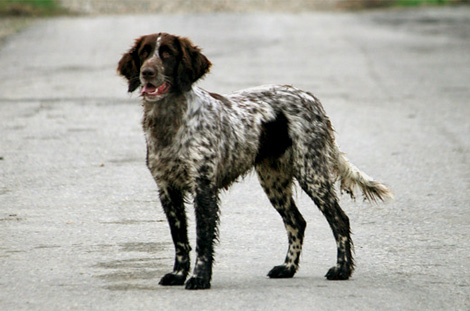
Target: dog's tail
351 177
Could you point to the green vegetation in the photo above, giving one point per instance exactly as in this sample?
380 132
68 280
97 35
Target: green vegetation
30 8
405 3
421 2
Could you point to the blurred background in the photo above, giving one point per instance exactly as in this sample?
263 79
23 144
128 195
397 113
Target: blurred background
80 222
17 14
54 7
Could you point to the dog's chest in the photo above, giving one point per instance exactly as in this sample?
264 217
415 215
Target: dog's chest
168 164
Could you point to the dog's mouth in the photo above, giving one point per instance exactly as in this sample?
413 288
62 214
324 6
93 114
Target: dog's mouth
151 91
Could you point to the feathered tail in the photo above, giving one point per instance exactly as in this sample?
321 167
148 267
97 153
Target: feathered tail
351 177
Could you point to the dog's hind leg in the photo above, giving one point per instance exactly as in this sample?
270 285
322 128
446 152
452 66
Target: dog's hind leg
276 180
173 205
322 192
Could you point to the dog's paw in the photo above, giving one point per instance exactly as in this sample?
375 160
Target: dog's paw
282 271
172 279
339 273
198 283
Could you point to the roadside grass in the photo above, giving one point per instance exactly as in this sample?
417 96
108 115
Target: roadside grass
16 15
421 2
370 4
31 8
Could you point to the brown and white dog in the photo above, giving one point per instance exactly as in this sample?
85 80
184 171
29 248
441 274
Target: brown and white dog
200 142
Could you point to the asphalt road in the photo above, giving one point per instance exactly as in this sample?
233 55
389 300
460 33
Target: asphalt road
80 223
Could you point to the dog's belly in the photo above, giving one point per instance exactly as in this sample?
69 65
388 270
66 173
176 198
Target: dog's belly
228 174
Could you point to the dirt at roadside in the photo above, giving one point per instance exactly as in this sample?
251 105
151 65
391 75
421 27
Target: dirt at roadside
96 7
11 25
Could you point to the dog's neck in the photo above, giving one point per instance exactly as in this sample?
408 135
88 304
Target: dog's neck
163 119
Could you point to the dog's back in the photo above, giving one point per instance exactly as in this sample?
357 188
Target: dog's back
200 142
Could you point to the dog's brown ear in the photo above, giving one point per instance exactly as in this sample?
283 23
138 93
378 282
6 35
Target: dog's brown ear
129 66
193 64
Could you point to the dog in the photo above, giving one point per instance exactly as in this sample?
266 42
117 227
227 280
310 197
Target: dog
199 143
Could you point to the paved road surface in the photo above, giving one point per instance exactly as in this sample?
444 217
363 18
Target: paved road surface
80 223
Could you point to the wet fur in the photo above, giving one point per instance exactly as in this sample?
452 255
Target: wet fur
200 142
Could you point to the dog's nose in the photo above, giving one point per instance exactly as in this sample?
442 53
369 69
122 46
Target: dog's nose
148 73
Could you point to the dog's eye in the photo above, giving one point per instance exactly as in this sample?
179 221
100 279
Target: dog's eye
165 52
145 52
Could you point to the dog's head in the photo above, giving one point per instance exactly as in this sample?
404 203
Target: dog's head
162 63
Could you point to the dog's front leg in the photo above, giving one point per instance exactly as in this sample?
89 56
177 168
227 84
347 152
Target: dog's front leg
207 216
173 205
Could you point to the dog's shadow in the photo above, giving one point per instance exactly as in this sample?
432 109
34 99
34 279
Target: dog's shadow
137 273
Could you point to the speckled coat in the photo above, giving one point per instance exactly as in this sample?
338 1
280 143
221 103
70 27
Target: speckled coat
200 142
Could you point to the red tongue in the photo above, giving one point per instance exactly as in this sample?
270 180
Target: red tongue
163 88
148 88
153 90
